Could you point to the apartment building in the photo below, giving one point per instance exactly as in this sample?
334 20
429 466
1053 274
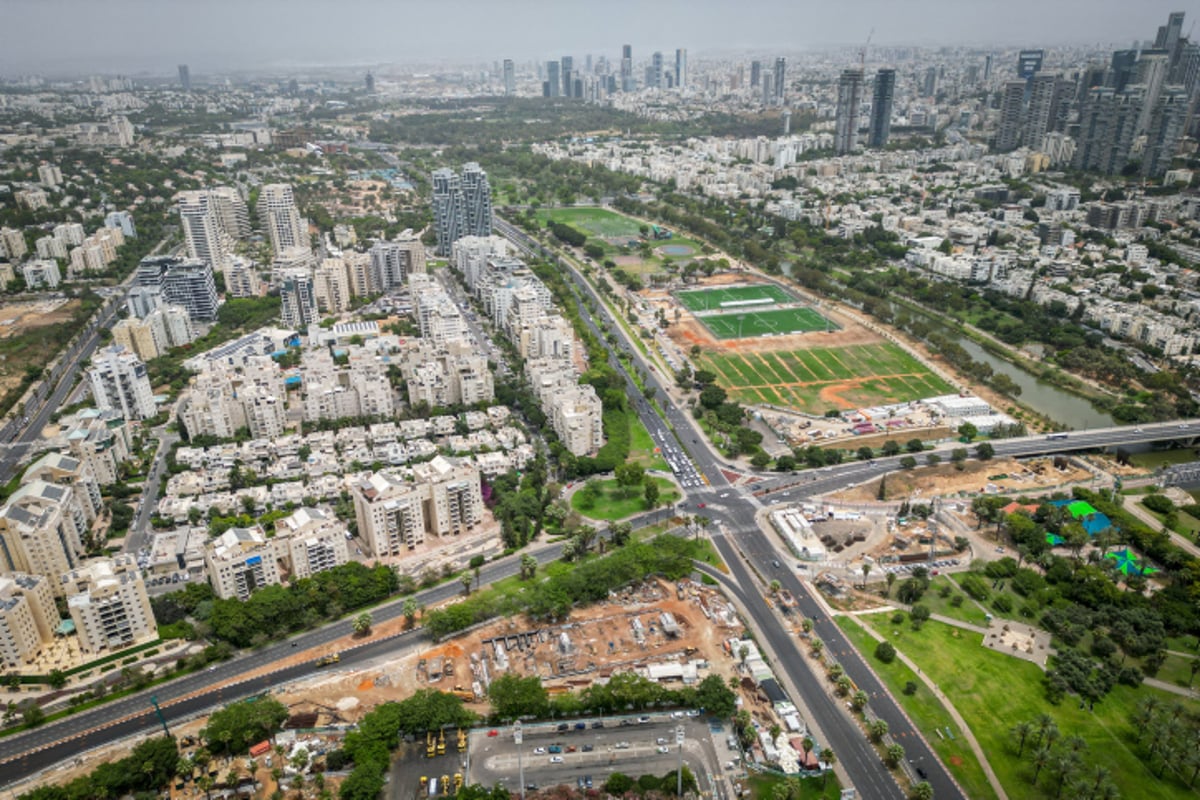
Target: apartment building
242 279
281 218
12 244
101 440
61 469
391 263
240 561
576 414
314 540
41 274
396 510
108 603
120 382
42 529
28 618
449 374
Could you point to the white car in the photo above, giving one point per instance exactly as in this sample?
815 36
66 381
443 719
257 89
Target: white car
539 751
664 749
556 759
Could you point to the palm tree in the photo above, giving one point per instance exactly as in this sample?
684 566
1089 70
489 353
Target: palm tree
362 623
866 570
878 729
891 579
465 580
806 625
1021 732
817 646
529 565
922 791
409 609
843 685
807 743
1040 758
859 700
830 758
775 586
1100 774
895 754
206 783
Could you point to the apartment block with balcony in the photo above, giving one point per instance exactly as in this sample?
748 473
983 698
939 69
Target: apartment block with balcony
28 617
108 603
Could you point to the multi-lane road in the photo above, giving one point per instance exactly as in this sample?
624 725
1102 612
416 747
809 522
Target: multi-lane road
737 535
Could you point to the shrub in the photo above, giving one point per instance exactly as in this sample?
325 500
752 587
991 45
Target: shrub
885 652
910 688
898 618
956 601
975 586
1159 504
1003 603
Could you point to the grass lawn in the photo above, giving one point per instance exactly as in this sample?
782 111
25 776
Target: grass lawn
967 612
749 324
1177 670
711 299
613 505
989 604
1161 458
1184 644
859 375
1185 524
994 692
761 787
925 711
641 446
593 221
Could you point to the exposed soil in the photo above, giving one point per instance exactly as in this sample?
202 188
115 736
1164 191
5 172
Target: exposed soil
943 480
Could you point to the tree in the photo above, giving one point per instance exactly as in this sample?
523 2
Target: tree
237 726
922 791
629 477
760 460
894 755
878 729
885 652
908 462
914 446
891 580
859 700
514 697
465 579
968 431
620 533
865 453
830 759
984 451
715 697
529 565
933 459
410 609
33 715
817 646
866 570
1040 759
652 493
920 615
1021 732
57 679
958 457
362 623
891 447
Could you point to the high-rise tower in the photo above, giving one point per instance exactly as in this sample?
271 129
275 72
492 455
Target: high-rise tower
1043 109
281 219
449 210
850 86
477 201
681 75
1165 128
185 77
510 78
755 74
881 108
626 68
781 80
1012 106
552 79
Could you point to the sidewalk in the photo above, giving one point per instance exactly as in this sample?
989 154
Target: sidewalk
1130 504
962 724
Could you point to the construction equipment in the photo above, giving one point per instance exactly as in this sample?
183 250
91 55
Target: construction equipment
462 739
325 661
430 746
441 745
458 781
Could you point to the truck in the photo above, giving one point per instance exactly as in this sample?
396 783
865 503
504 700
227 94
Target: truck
332 658
433 787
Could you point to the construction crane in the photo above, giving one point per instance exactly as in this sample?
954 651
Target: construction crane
862 54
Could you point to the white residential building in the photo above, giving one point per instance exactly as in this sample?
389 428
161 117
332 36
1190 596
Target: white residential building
314 539
241 560
120 382
108 603
28 618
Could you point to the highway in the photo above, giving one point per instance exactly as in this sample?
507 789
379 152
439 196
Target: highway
732 508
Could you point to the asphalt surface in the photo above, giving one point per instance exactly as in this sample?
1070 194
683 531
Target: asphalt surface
31 751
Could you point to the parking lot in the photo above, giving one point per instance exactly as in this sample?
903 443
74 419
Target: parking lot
933 567
575 752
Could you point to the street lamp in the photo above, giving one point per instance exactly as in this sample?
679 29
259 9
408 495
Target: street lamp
679 736
517 738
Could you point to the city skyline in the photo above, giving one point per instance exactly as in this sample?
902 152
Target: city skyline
207 44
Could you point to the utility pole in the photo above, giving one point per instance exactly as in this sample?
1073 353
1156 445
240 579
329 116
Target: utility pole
161 718
518 737
679 735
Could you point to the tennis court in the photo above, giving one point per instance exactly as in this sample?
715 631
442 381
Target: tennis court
715 299
778 322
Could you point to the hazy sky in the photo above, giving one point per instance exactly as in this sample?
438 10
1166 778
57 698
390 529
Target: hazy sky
216 35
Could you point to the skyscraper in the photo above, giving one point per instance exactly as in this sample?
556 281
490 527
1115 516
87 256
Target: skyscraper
881 108
1124 68
1107 123
121 383
281 219
552 79
781 80
1012 103
755 74
681 69
1168 35
568 76
929 84
1043 109
987 67
655 76
1165 128
185 77
510 78
626 68
370 83
1152 67
477 201
298 306
449 211
201 230
768 88
850 86
1029 63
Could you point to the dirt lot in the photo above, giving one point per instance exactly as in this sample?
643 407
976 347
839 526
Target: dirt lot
17 318
1033 476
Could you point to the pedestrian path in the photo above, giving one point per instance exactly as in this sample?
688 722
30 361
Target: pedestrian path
945 701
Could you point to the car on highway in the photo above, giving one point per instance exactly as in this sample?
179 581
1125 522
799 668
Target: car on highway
556 759
598 723
643 719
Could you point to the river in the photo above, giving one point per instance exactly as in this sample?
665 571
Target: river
1052 401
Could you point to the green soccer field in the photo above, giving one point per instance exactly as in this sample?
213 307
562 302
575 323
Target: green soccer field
777 322
711 299
593 221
